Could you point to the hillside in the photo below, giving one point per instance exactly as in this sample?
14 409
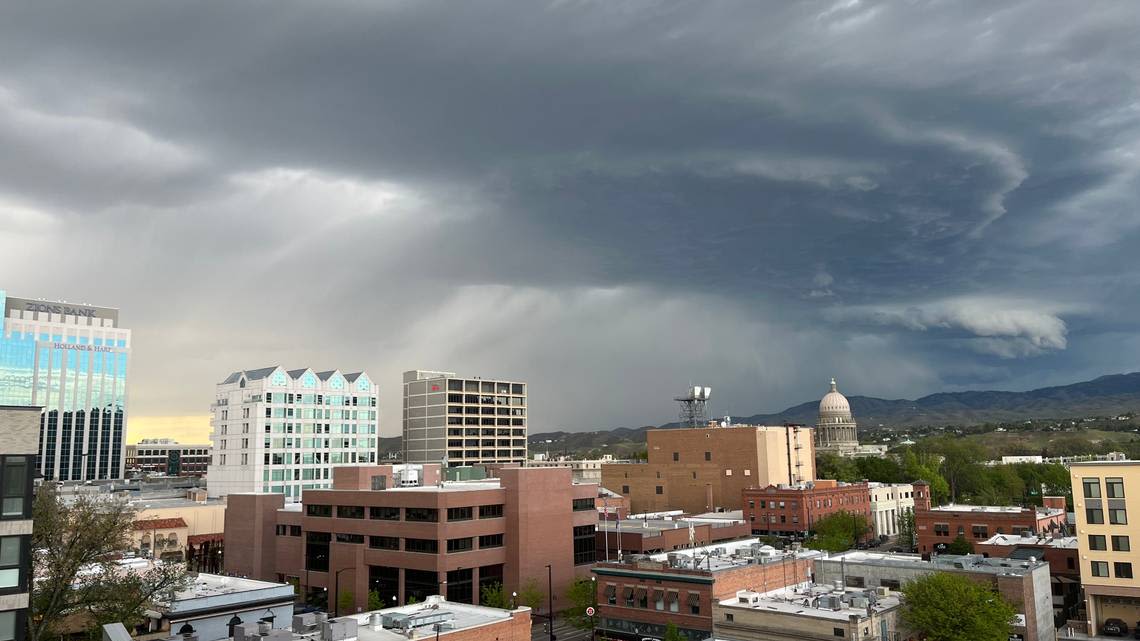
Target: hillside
1104 396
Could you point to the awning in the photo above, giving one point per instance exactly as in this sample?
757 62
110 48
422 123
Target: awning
611 591
694 598
641 591
628 593
658 595
673 595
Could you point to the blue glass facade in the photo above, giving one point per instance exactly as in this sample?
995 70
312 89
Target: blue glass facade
74 365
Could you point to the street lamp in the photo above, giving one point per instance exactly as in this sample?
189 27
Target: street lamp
550 600
514 595
336 590
594 598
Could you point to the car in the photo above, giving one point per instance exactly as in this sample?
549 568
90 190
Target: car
1114 628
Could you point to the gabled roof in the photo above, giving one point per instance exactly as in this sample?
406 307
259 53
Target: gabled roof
296 373
250 374
324 376
351 378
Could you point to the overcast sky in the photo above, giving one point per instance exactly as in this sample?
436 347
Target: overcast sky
609 200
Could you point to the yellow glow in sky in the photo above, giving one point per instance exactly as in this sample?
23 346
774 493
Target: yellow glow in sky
184 429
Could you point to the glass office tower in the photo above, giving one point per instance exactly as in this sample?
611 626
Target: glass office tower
71 360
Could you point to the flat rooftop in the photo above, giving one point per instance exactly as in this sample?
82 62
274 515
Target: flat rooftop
966 562
995 509
208 585
1065 542
158 504
807 600
719 556
456 617
654 527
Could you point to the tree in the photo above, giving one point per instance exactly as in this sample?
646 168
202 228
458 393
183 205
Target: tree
672 633
531 595
75 546
833 466
581 595
374 602
907 530
950 607
838 531
493 595
345 601
960 546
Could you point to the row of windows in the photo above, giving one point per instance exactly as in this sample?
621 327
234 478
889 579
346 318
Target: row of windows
454 385
1120 543
677 456
476 399
1113 486
424 546
819 503
475 420
638 597
483 431
165 453
412 514
1120 570
320 399
1116 516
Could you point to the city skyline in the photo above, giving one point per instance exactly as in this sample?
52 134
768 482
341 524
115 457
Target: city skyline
608 202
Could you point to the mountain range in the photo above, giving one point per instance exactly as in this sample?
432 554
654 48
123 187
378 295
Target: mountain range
1109 395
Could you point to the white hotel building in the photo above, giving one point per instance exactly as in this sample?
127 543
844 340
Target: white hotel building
282 431
463 420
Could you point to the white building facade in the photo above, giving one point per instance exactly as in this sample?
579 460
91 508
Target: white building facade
463 420
888 502
282 431
71 360
836 431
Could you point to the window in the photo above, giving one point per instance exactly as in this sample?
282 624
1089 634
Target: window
1094 515
676 456
350 538
890 584
490 511
10 622
490 541
1122 570
384 542
313 509
582 505
837 632
460 513
384 513
16 482
350 511
294 530
1117 516
464 544
1114 488
426 546
1092 488
1100 568
282 530
584 544
625 489
855 582
1120 543
317 551
694 603
421 514
11 552
660 490
1097 542
708 456
981 532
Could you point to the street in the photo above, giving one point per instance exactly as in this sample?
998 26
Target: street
562 631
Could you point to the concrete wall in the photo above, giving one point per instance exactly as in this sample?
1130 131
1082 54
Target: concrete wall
21 430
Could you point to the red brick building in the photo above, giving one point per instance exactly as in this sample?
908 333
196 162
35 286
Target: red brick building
1059 552
937 527
637 598
794 509
651 536
451 538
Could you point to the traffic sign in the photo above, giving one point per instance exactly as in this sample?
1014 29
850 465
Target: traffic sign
590 611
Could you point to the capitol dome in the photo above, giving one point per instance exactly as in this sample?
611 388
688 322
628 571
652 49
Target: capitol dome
834 404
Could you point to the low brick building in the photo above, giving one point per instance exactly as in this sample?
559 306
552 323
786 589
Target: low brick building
651 536
937 527
639 596
1060 553
793 510
1025 584
809 612
450 538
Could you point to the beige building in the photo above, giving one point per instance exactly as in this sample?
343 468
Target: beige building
21 429
705 469
1105 493
808 612
584 470
181 529
888 502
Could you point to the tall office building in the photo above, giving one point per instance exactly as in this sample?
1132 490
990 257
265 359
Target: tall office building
21 429
71 361
463 420
282 431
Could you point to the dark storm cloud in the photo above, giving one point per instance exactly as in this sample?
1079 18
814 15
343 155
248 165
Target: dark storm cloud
755 195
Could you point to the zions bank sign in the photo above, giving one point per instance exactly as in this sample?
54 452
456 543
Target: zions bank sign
49 307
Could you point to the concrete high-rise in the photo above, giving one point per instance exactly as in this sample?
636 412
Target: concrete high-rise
70 360
282 431
463 420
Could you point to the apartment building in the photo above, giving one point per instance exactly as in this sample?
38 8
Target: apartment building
70 360
168 457
20 426
284 431
463 420
937 527
793 510
1105 494
1024 583
889 501
704 469
639 595
809 612
451 538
